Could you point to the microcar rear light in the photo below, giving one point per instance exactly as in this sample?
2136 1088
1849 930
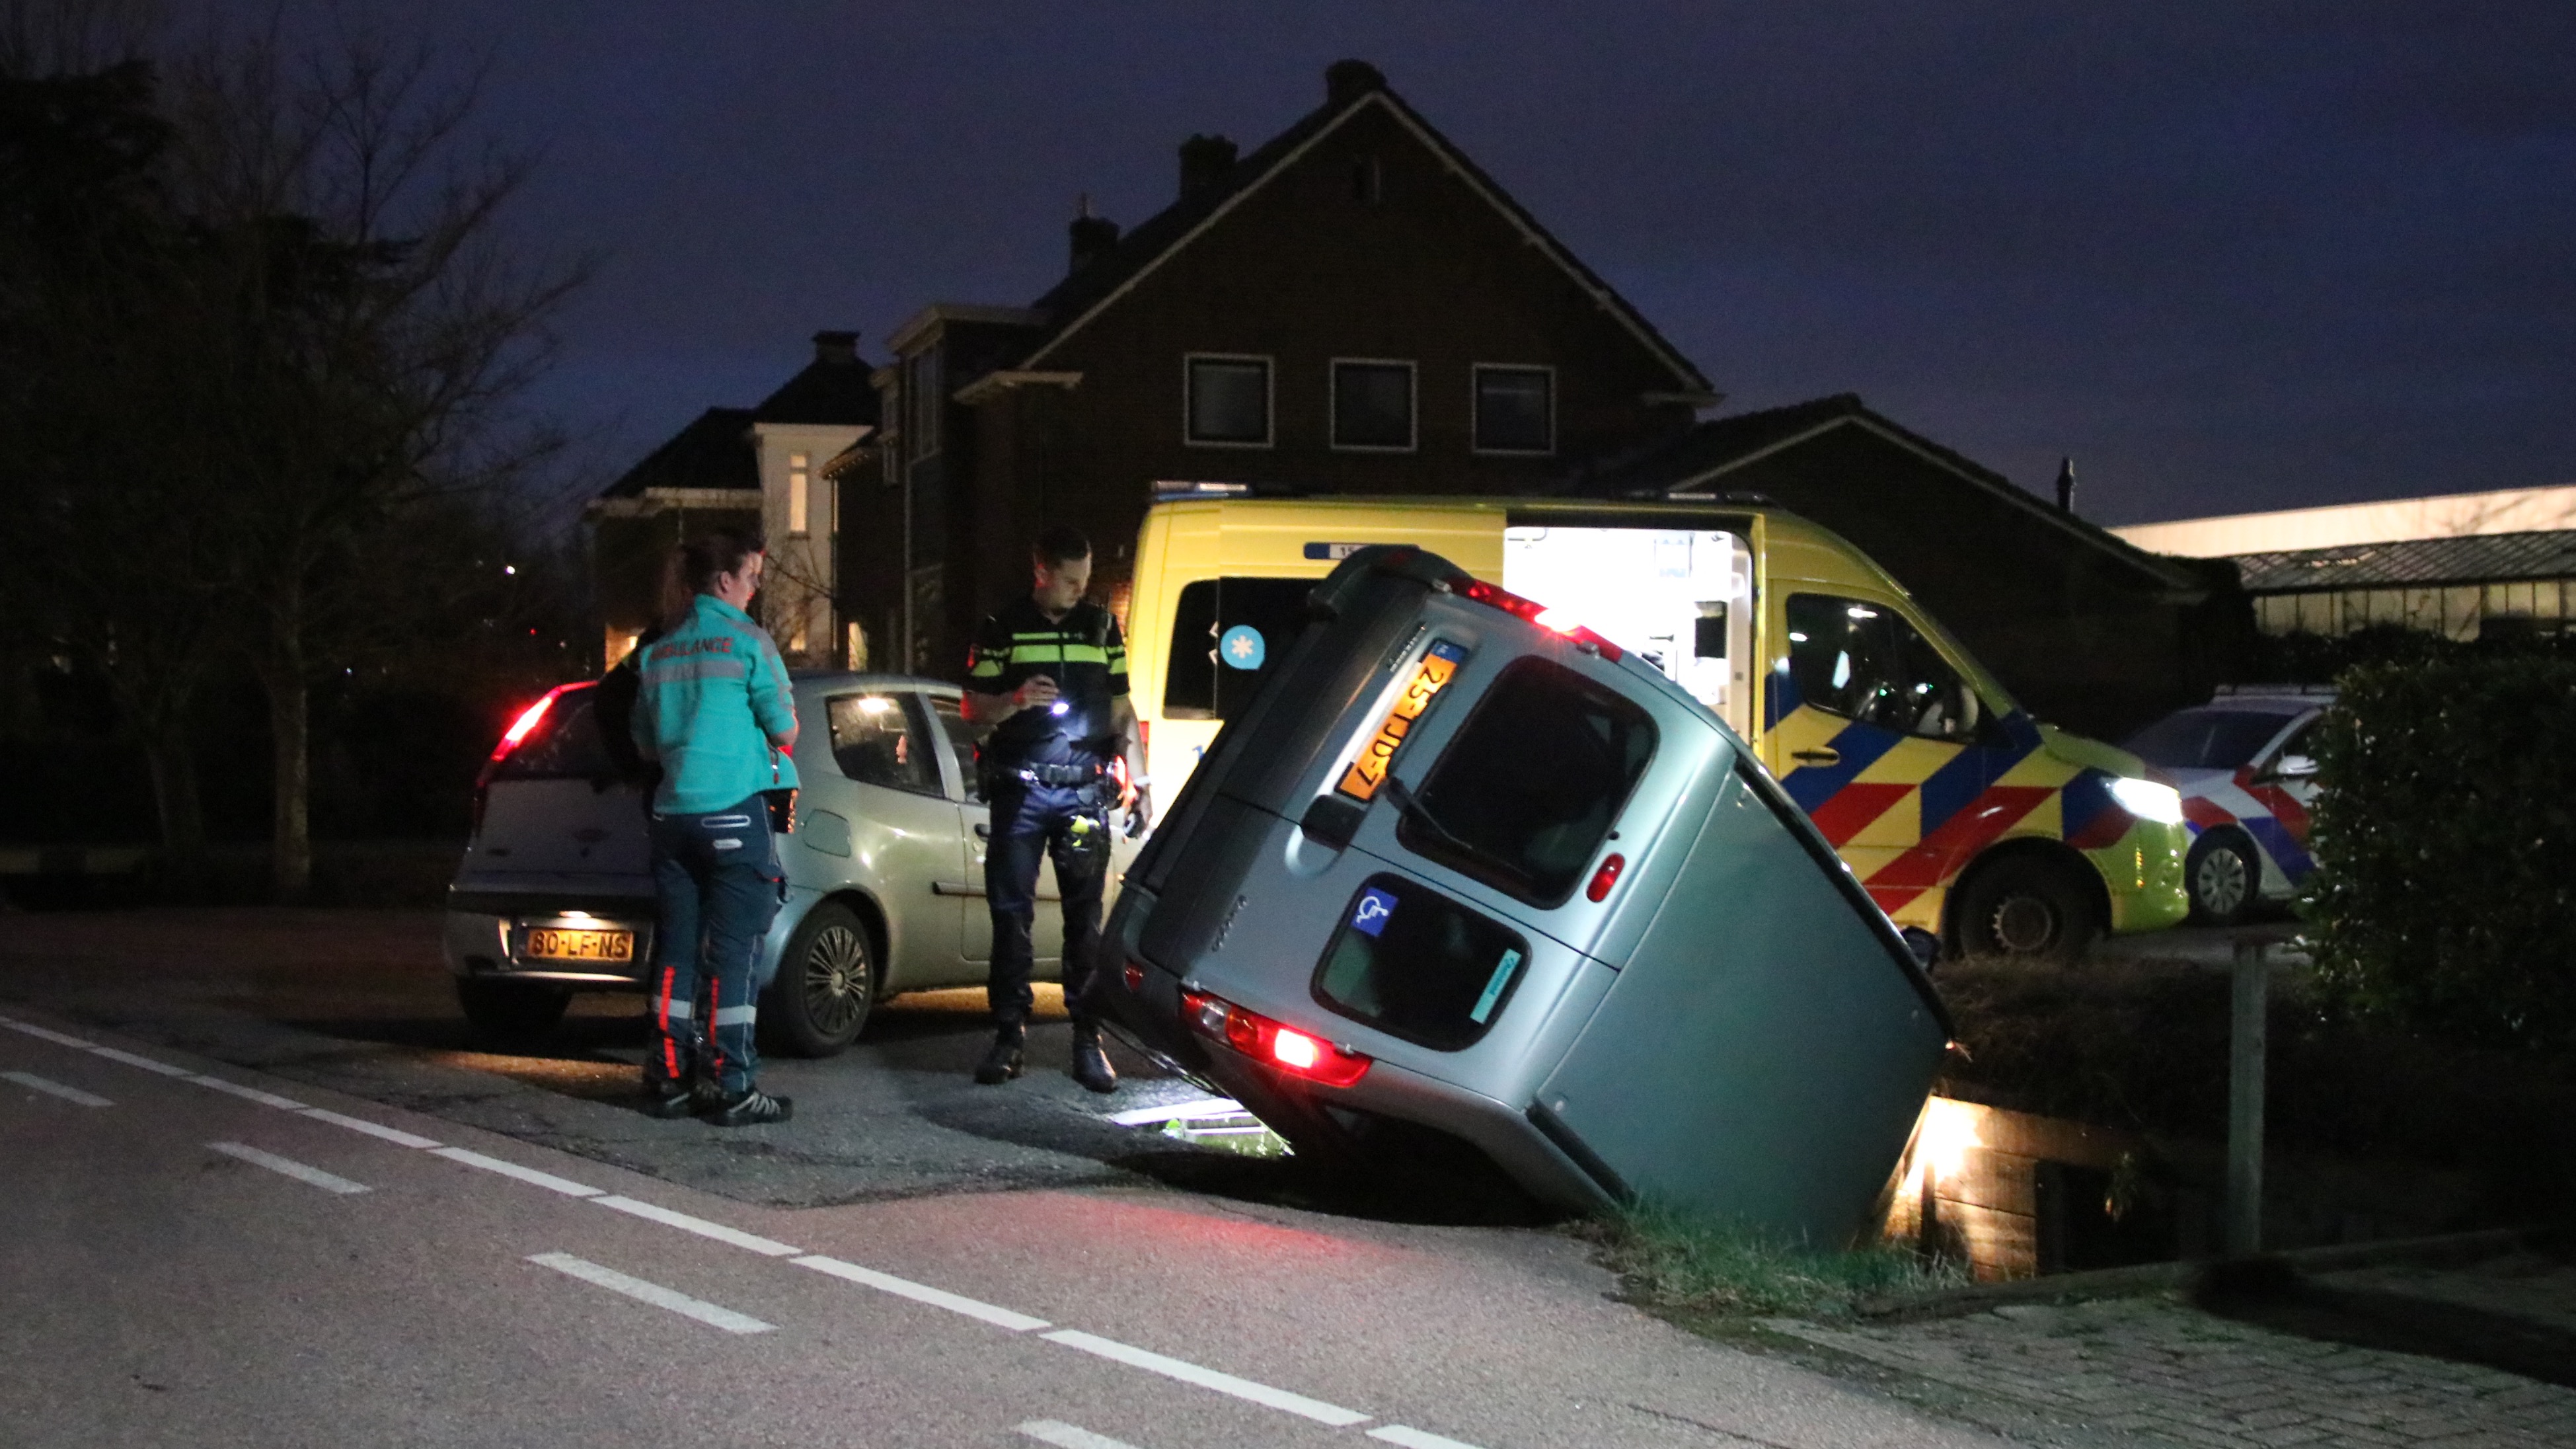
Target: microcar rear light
1606 877
1282 1047
1134 976
1478 591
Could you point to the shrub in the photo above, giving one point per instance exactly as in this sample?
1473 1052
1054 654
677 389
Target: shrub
2445 895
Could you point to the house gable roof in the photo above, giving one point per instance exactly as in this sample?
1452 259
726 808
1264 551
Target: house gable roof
1092 289
713 451
831 390
1701 461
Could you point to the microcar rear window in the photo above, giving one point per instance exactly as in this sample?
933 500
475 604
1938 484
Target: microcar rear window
1526 793
1416 964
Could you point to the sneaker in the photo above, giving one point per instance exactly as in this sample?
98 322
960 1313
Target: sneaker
670 1101
1002 1062
752 1109
1090 1064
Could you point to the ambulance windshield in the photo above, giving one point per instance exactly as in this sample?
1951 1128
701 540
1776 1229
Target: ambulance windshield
1525 794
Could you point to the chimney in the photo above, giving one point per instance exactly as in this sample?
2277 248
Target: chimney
1348 80
840 348
2066 485
1092 236
1205 163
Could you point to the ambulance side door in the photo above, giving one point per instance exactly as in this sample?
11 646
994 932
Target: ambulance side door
1874 734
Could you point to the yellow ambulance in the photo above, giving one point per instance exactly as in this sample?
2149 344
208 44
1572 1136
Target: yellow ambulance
1955 809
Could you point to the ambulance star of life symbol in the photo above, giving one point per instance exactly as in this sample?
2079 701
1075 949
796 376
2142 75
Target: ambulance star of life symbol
1242 647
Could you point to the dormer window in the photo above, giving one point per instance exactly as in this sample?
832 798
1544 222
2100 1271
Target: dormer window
1372 405
1228 401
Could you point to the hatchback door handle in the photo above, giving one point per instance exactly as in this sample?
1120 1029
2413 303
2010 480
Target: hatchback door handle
1818 757
983 832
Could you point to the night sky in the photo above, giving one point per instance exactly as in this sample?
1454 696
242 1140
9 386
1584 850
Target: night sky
2230 256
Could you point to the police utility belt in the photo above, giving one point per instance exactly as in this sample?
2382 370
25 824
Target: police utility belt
1051 774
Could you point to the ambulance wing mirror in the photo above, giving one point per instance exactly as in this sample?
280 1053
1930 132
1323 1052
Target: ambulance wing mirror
1925 946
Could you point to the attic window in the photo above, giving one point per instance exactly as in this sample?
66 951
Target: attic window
1228 401
1515 409
1373 405
1368 181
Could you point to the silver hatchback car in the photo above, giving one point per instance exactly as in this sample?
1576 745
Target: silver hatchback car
885 872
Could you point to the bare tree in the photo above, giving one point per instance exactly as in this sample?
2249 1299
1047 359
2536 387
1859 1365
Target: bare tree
381 335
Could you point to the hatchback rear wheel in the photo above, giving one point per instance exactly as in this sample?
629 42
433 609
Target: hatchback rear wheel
827 981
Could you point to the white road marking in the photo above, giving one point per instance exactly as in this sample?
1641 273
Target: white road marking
653 1293
1067 1436
328 1182
254 1094
921 1293
699 1226
1208 1378
146 1063
1415 1438
47 1033
394 1135
57 1089
546 1180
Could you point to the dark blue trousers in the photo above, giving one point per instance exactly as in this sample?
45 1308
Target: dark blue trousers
720 888
1065 823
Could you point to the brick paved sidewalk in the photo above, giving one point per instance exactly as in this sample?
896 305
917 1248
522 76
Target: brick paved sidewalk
2160 1371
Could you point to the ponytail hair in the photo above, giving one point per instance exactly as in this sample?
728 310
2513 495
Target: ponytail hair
691 568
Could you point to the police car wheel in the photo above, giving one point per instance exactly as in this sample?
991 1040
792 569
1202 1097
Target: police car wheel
2028 907
512 1011
827 981
2220 874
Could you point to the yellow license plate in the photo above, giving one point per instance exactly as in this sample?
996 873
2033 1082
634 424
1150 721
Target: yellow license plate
1366 773
550 943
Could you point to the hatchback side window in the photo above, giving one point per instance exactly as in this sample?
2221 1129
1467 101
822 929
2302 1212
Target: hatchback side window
1861 660
877 740
960 734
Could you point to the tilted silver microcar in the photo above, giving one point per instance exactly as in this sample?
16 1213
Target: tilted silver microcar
1465 881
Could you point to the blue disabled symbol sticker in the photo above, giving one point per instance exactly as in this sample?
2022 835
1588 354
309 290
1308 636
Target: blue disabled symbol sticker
1371 914
1242 647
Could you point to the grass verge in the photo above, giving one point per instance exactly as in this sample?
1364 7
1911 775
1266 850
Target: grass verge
1698 1267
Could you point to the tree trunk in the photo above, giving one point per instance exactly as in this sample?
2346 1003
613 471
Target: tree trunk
290 741
172 758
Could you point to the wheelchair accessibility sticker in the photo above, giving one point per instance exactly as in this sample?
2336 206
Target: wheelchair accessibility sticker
1375 908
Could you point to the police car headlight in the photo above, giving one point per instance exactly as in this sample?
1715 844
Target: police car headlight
2148 800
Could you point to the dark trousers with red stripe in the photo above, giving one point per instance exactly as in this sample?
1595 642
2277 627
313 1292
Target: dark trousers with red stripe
719 883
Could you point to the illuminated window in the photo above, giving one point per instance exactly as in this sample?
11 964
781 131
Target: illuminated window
800 483
1228 403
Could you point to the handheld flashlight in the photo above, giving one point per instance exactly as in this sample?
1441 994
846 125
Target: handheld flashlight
1058 708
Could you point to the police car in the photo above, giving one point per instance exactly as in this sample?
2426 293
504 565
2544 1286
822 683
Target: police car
2245 764
885 871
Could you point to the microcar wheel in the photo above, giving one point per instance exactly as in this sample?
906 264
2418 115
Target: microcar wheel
827 980
515 1012
2221 874
2027 906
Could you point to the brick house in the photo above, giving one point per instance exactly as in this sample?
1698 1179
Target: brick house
1352 307
758 467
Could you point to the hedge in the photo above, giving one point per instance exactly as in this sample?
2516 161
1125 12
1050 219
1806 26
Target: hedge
2445 836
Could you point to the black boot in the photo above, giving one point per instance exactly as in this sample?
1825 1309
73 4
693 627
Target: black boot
1090 1064
1002 1062
752 1109
670 1098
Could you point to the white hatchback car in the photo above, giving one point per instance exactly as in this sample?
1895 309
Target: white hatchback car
885 873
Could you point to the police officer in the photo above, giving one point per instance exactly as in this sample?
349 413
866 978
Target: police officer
712 707
1048 681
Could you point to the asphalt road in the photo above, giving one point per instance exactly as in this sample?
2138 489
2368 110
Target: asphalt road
335 1249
